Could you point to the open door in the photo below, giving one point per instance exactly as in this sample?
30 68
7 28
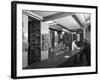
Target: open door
34 50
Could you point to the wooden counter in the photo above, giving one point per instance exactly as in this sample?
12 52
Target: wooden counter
62 60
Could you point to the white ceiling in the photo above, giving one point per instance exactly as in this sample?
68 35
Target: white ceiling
87 16
45 13
66 21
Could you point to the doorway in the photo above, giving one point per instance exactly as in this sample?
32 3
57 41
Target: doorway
34 35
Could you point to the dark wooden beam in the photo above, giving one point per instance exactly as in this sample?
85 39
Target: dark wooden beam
29 13
77 20
64 27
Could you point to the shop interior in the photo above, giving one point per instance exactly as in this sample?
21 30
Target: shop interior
48 37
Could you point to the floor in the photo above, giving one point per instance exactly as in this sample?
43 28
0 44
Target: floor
60 59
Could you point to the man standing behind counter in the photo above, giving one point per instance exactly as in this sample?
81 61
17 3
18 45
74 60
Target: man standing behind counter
74 46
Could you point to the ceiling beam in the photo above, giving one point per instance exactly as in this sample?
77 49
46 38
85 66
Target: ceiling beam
64 27
74 30
57 16
77 20
29 13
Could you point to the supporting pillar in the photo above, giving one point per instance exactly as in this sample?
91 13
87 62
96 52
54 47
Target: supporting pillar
84 32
